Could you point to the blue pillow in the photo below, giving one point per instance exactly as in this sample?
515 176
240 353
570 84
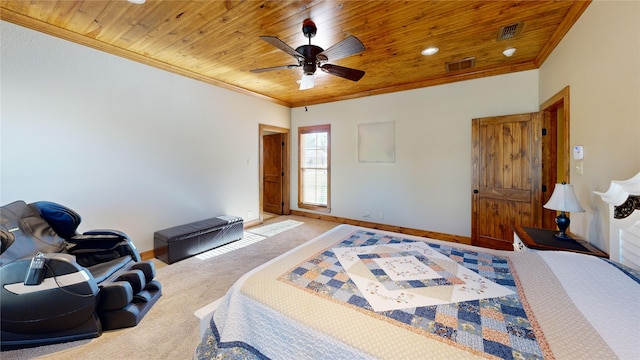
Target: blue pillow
63 220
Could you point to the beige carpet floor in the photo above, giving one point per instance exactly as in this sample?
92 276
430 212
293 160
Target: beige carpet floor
170 330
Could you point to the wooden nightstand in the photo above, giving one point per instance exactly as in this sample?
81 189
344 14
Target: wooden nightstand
528 238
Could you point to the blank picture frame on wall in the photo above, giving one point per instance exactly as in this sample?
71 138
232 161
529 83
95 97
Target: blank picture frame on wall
377 142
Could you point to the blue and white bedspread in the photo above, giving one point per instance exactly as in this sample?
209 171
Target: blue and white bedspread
357 293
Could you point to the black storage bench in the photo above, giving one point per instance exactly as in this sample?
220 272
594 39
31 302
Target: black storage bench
180 242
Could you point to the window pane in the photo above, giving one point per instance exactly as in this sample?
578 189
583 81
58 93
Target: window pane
314 186
315 152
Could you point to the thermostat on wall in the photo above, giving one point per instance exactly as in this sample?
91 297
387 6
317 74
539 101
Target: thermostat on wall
578 152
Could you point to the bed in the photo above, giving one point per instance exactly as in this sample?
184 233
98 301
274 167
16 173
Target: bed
359 293
623 200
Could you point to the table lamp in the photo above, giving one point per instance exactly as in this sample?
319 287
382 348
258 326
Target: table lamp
563 199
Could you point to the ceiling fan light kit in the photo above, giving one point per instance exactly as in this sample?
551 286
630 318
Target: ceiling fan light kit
311 57
307 82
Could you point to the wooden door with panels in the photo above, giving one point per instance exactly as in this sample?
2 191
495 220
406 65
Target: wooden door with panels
273 173
506 177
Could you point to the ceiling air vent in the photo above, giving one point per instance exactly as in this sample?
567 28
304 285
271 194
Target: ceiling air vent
509 31
466 63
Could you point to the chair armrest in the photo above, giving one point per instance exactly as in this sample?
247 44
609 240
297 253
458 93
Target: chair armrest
66 298
103 239
101 234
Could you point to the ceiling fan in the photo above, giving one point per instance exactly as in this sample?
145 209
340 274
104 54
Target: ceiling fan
310 57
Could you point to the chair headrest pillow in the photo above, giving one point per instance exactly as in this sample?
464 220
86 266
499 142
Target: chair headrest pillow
63 220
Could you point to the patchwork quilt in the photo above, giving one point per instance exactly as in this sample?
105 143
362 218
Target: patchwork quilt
467 297
359 293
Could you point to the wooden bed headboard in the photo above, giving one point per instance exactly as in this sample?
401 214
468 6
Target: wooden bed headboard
623 198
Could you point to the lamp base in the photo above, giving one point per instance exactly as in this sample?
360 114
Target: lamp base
563 223
563 236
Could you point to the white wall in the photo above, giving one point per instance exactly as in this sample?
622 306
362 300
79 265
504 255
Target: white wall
128 146
429 185
599 59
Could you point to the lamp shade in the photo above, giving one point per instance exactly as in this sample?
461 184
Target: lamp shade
563 199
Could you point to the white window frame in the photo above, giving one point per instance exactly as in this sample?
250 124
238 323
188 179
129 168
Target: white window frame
313 205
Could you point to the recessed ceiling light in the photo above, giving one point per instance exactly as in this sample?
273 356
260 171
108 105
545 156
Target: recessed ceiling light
509 52
137 2
430 50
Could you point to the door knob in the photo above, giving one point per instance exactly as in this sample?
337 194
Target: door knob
475 191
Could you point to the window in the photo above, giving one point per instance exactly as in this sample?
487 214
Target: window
314 156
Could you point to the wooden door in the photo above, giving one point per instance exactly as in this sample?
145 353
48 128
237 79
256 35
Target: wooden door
273 173
506 177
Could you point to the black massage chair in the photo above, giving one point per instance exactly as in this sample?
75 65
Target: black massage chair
58 285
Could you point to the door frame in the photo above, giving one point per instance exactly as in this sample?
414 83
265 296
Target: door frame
550 109
264 129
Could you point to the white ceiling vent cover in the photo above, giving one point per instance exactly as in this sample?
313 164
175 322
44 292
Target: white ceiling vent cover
509 31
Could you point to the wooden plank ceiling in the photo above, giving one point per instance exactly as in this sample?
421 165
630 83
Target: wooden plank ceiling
218 41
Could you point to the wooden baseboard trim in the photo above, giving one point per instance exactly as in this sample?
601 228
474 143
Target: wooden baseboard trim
385 227
252 223
148 255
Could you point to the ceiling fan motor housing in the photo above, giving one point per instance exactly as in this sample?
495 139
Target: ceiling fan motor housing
309 52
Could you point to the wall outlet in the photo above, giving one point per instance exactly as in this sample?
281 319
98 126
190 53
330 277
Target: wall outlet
380 215
249 215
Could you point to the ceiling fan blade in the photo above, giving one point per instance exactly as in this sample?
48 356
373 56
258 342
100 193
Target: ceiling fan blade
343 72
347 47
282 46
282 67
